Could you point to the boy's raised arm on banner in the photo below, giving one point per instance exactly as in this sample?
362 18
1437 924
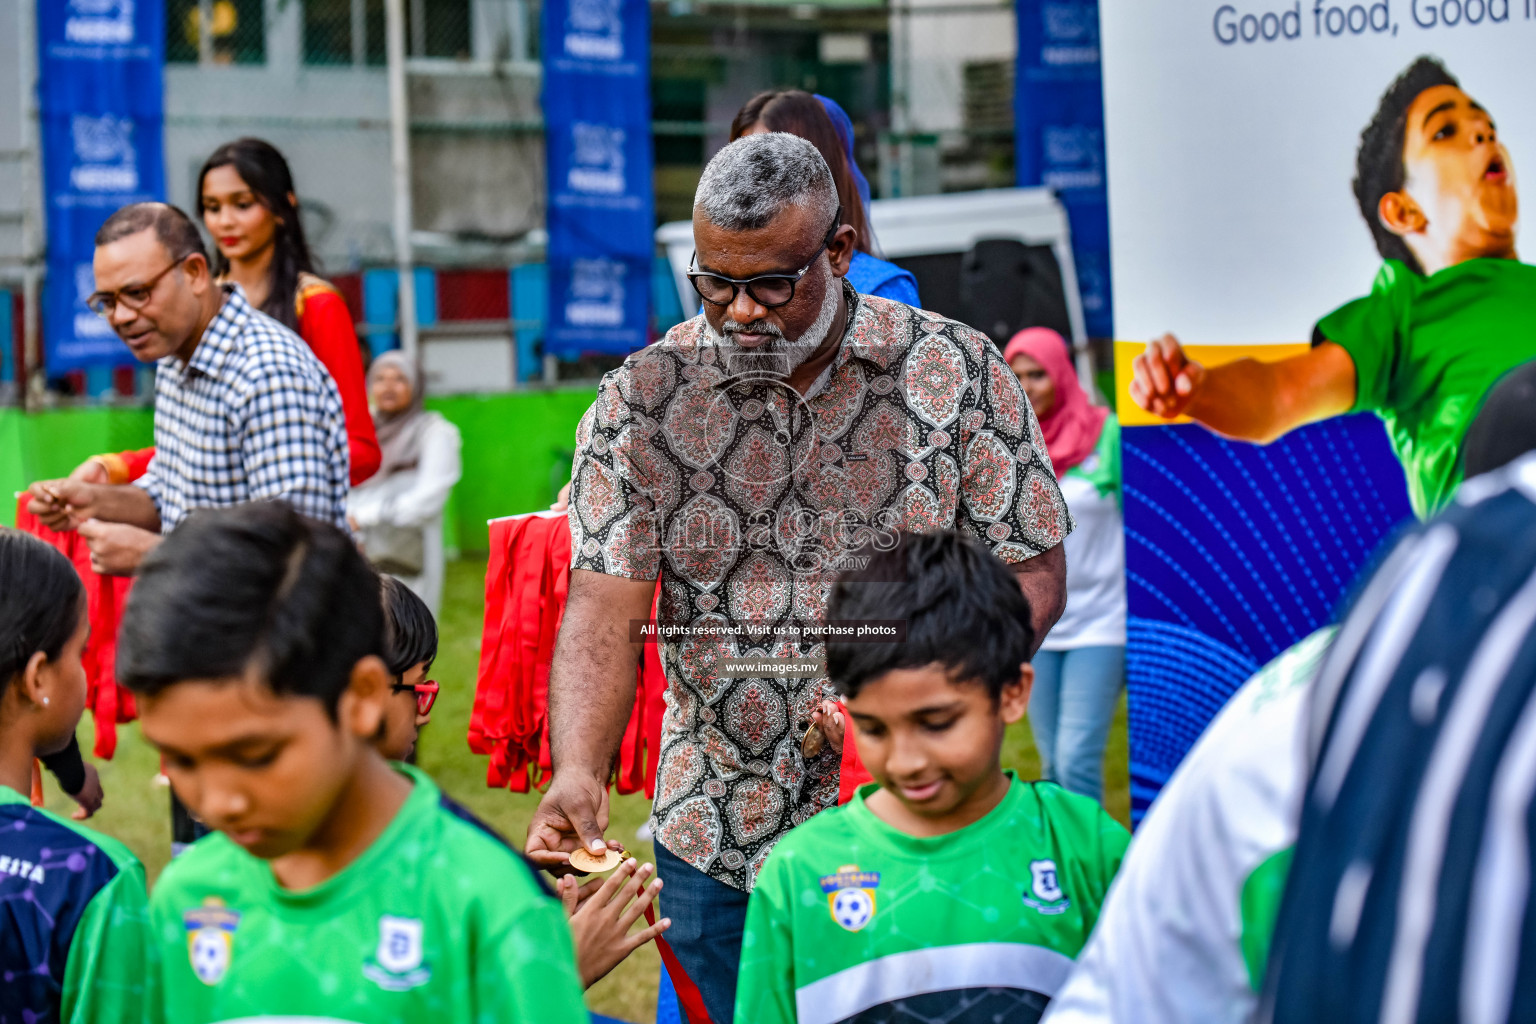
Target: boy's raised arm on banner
1246 399
591 692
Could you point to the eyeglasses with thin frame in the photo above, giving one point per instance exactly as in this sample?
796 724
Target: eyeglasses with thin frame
426 695
768 290
135 296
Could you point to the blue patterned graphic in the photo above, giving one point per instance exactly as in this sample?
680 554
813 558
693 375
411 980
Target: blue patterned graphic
1234 552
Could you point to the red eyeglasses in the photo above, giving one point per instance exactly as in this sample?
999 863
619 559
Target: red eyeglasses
426 695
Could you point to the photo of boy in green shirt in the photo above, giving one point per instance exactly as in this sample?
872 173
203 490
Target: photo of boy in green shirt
1451 311
949 889
336 885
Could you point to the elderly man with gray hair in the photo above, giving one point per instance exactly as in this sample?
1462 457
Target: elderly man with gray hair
744 461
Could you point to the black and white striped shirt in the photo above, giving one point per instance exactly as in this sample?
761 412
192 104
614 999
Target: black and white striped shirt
253 415
1410 897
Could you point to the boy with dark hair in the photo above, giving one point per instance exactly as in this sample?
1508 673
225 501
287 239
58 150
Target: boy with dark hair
1451 311
600 921
948 889
337 885
410 647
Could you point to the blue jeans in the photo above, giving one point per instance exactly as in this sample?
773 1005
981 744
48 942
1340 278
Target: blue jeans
1070 710
708 919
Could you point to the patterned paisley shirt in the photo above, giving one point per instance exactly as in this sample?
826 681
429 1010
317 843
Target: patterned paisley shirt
742 496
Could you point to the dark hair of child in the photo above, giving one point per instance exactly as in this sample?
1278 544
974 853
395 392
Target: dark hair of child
40 600
255 587
410 633
962 607
265 171
1379 160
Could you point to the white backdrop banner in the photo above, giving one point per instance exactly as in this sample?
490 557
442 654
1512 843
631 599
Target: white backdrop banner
1232 131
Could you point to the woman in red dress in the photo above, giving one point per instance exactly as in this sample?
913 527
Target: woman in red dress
246 197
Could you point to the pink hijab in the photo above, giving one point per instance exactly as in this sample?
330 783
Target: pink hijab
1072 429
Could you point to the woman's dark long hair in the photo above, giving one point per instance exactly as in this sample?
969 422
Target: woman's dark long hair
266 173
40 601
800 113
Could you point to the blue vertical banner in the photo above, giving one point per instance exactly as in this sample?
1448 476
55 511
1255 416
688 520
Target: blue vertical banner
1058 107
601 214
101 100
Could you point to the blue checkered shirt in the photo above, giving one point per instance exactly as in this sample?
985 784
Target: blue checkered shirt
253 415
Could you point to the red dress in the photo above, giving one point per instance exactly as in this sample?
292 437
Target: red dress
325 324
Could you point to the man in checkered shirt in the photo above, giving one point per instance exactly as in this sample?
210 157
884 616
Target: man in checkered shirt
243 409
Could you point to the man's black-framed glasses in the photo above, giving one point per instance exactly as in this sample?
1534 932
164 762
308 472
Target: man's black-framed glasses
135 296
768 290
426 695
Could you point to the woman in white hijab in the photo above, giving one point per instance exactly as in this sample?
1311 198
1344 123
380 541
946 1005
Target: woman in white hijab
398 512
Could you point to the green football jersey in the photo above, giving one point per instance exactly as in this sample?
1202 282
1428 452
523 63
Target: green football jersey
1427 349
438 920
852 920
75 944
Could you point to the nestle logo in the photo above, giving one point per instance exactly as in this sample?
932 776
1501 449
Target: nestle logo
595 47
99 21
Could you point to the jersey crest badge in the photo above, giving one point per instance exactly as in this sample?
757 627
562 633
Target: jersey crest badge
851 896
397 964
1045 893
210 939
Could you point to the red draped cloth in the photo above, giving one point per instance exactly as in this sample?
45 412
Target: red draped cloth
109 703
526 583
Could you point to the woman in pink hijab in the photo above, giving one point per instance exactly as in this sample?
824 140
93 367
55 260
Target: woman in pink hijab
1080 668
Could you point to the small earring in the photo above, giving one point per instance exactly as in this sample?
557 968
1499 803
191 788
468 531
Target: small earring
45 702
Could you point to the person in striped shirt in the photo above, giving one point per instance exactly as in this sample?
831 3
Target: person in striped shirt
1409 895
1186 932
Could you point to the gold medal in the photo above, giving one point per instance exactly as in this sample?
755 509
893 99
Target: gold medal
814 741
589 863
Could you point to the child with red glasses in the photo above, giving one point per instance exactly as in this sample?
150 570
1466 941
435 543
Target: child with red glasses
410 647
601 913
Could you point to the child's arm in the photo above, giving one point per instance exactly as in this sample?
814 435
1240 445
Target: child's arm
765 986
1113 841
600 926
109 972
1245 400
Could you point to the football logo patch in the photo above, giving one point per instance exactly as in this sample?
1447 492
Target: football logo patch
210 939
397 963
851 896
1045 893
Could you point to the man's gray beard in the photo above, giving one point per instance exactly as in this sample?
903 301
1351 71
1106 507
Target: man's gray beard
776 357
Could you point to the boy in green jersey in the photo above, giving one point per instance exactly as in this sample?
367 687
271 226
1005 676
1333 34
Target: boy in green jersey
600 913
1451 311
948 889
336 886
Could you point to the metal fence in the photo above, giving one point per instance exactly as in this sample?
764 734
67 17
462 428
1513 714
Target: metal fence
335 32
352 31
215 32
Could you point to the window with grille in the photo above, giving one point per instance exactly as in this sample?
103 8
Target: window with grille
352 31
236 32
